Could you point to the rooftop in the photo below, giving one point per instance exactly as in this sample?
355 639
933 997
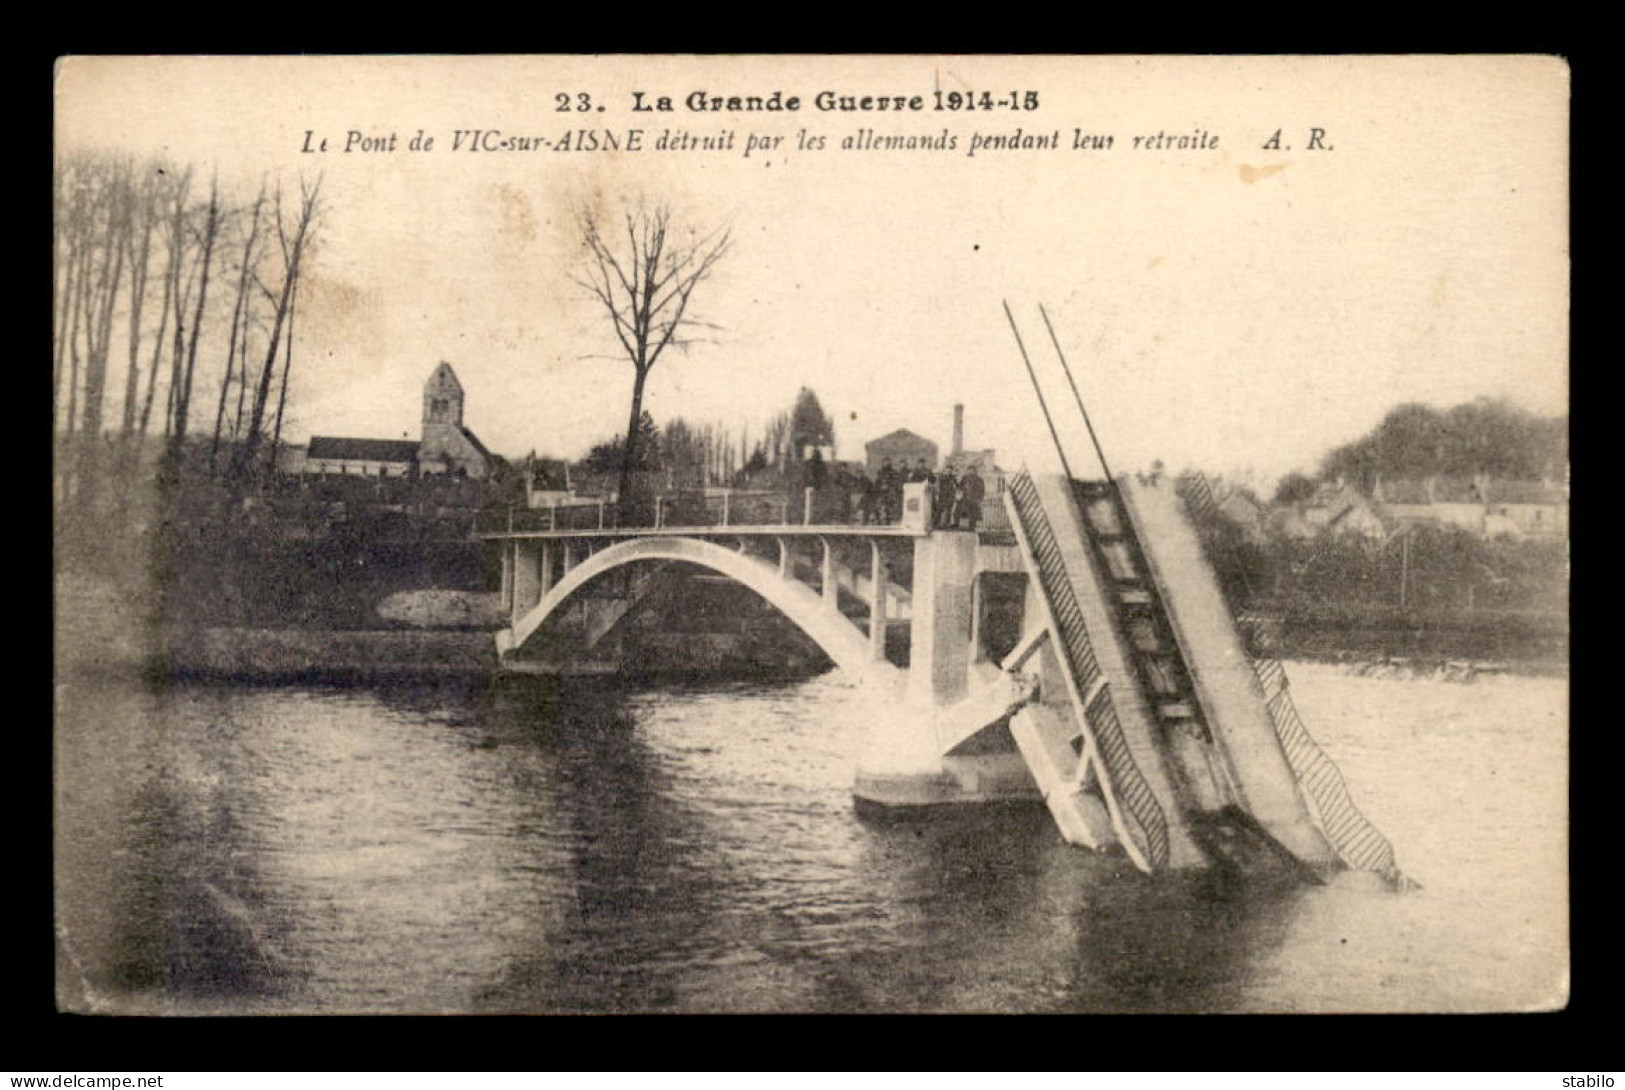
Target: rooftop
324 447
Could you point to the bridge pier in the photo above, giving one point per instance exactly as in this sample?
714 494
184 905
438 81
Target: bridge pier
505 594
941 742
940 631
879 573
828 589
527 577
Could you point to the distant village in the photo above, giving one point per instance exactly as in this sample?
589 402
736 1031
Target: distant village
1484 506
786 466
1362 551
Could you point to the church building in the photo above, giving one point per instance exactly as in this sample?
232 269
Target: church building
445 446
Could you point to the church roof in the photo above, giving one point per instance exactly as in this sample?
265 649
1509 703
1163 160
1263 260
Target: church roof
361 450
444 372
475 442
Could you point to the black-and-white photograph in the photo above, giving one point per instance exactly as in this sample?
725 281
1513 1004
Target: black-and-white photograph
895 534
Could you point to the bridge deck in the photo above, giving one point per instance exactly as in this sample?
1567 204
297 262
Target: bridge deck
843 529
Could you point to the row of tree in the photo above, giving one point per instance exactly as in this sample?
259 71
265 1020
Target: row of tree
691 455
140 252
1489 437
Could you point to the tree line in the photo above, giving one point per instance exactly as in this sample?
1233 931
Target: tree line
1489 437
693 455
191 289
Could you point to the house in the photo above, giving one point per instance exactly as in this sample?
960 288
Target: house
363 457
1480 505
548 483
1336 509
1459 501
1526 509
446 446
1407 503
902 447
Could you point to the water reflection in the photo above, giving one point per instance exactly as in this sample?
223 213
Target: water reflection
637 902
538 847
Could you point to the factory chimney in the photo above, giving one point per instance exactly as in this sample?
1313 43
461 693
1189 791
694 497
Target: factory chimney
959 429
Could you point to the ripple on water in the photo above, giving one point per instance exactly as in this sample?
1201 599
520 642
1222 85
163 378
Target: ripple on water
518 848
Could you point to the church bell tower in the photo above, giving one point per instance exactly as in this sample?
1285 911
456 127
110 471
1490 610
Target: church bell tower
442 401
442 441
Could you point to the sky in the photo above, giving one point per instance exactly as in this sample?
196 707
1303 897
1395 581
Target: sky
1240 308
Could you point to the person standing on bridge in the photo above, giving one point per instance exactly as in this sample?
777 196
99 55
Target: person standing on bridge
920 474
944 498
970 496
888 493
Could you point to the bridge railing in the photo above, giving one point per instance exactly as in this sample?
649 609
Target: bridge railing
815 507
676 509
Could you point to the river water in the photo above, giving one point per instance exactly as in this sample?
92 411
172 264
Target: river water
528 848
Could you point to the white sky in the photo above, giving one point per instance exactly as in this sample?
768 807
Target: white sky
1213 316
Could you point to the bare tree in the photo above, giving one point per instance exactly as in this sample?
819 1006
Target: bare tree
175 254
776 440
183 393
180 293
292 244
113 225
238 323
93 225
118 228
65 270
287 366
644 283
143 207
75 259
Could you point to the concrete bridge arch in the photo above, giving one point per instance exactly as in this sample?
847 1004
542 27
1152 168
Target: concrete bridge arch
813 613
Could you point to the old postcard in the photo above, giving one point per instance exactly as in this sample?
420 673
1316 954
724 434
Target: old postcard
811 534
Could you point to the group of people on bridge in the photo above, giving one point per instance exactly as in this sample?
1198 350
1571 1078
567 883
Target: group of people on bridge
812 493
956 501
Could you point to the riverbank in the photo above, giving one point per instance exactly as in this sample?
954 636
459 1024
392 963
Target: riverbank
102 628
1445 642
268 655
264 656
